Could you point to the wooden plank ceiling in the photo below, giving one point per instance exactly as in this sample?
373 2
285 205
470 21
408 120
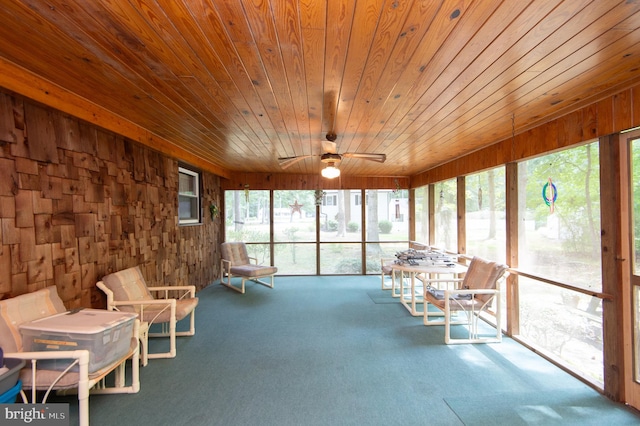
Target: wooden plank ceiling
239 83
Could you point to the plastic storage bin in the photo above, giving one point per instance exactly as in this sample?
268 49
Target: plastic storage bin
105 334
10 396
9 383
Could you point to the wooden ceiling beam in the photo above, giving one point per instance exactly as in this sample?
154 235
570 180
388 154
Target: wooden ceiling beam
25 83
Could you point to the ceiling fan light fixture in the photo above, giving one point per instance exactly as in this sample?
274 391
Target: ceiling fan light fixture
330 172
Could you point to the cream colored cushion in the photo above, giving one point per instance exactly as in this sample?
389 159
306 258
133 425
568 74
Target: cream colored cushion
236 253
481 274
130 285
253 271
162 313
24 308
69 380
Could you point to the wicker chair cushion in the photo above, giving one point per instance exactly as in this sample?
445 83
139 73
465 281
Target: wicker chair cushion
128 284
482 274
236 253
253 271
24 308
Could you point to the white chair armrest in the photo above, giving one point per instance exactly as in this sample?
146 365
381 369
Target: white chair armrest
79 354
449 299
142 303
191 290
472 291
167 303
426 282
441 280
81 358
225 266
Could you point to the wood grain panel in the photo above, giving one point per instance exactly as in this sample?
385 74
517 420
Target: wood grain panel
10 233
288 181
451 37
313 20
232 86
635 106
622 110
88 67
67 231
140 53
604 110
469 90
7 127
289 32
340 14
482 50
235 86
40 134
590 122
363 40
396 39
8 177
36 88
570 129
24 209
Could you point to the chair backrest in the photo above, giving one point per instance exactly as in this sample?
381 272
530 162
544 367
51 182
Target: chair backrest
24 308
483 274
235 252
128 284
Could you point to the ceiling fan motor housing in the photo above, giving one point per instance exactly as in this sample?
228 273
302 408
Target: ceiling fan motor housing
330 158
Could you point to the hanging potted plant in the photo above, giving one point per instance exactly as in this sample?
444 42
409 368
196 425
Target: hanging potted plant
213 209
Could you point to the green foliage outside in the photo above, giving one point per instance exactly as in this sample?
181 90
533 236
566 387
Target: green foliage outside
247 218
636 193
332 225
574 172
354 266
385 226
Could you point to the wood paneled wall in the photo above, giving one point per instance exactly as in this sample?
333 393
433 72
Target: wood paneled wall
292 181
78 202
610 115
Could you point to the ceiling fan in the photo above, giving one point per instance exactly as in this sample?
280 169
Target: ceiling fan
331 157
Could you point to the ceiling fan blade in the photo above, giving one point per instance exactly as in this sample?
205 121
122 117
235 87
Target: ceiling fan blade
329 147
286 162
379 158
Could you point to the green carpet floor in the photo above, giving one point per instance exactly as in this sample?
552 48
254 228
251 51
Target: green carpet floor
339 351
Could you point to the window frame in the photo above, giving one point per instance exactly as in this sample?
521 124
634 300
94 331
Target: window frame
196 218
330 200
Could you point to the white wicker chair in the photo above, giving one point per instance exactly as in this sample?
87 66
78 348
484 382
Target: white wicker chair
469 297
236 262
127 291
36 376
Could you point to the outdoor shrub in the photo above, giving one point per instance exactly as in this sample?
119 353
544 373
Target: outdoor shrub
373 266
353 227
332 225
385 226
349 266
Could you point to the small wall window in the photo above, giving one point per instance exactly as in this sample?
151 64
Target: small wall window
188 196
